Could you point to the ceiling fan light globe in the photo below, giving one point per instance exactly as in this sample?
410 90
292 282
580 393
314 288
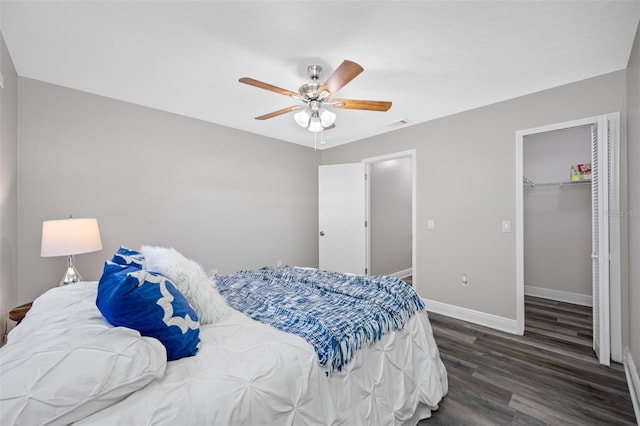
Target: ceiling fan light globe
315 124
327 117
302 117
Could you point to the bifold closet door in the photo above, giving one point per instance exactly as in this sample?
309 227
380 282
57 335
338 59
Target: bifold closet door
600 238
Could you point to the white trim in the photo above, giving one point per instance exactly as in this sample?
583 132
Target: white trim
615 280
414 171
633 381
403 274
519 228
481 318
367 217
560 296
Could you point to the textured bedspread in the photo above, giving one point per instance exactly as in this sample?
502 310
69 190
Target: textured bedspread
336 313
245 373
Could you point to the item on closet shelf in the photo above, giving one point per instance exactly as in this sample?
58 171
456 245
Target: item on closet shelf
581 172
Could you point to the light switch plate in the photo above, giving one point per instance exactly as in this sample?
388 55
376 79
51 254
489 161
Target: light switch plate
506 226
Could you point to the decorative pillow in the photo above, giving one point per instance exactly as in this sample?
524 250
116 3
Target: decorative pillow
128 257
149 302
64 362
191 280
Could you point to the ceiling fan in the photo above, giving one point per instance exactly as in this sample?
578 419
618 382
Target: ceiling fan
313 115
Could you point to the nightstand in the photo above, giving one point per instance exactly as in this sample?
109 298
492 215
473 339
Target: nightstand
18 313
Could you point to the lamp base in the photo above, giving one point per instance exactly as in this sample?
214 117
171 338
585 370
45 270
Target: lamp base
72 275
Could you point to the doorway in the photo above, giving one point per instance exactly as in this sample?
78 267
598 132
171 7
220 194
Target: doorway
605 235
390 214
557 215
345 213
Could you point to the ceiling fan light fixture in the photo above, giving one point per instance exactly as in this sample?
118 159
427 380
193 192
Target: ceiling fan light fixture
315 124
327 117
302 117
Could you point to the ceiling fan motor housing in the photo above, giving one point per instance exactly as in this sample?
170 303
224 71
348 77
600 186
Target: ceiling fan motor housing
309 90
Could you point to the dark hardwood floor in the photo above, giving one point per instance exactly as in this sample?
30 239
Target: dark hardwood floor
549 376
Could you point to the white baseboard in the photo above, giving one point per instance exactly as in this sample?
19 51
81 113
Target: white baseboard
633 381
560 296
488 320
402 274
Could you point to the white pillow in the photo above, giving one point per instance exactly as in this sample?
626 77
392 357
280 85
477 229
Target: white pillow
191 280
65 362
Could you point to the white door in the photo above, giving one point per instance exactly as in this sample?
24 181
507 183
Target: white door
341 218
600 238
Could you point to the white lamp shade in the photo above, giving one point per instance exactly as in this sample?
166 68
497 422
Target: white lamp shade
327 117
315 125
302 117
69 236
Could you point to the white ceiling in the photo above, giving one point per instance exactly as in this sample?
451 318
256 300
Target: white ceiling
431 58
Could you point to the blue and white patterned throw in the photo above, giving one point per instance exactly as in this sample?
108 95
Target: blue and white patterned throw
336 313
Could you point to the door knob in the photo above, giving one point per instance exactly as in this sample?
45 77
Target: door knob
322 233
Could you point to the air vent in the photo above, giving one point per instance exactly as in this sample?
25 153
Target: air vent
398 123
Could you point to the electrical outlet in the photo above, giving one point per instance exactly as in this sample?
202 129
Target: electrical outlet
431 224
465 280
279 263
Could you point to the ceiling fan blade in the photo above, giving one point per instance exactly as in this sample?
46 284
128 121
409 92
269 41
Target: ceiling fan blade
331 126
279 112
347 71
365 105
270 87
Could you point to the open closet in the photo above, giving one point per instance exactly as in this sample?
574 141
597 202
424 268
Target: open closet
568 243
557 215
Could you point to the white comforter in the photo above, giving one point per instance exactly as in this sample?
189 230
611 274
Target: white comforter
248 373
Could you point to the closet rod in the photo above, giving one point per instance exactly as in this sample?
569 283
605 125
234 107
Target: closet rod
528 181
568 183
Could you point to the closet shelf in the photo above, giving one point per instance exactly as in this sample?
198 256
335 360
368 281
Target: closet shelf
532 184
561 184
576 183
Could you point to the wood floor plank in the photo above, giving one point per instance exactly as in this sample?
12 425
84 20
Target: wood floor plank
569 330
549 376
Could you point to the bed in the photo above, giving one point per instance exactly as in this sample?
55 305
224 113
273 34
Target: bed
65 363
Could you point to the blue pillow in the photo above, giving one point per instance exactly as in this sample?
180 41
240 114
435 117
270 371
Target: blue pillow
128 257
149 302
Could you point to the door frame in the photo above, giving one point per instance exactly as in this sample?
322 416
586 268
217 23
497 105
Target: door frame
368 162
615 302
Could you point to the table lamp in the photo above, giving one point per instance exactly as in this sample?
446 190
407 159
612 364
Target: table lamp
67 237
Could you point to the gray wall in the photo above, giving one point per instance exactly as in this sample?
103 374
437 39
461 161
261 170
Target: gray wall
226 198
557 218
466 183
633 152
8 187
390 216
231 199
